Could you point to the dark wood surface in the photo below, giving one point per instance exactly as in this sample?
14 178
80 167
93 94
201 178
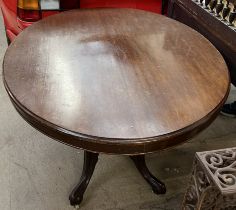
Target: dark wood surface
217 31
77 194
119 81
158 187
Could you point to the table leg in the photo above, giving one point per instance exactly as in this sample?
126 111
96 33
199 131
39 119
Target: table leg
158 187
90 160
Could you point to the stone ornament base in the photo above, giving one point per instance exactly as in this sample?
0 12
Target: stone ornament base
213 181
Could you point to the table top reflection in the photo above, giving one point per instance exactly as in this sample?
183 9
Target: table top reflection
115 80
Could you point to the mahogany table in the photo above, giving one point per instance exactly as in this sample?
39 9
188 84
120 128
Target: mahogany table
115 81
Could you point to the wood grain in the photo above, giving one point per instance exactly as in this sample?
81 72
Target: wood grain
214 29
118 81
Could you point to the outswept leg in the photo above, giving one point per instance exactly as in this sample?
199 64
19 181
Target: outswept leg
158 187
90 160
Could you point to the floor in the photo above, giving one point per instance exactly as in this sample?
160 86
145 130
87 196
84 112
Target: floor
37 173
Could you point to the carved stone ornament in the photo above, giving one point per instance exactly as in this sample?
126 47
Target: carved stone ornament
213 181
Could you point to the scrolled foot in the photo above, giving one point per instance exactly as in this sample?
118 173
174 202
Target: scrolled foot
90 161
157 186
75 201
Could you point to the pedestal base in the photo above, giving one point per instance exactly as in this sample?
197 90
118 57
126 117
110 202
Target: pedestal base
90 161
158 187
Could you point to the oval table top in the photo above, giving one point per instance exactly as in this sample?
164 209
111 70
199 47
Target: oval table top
119 81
